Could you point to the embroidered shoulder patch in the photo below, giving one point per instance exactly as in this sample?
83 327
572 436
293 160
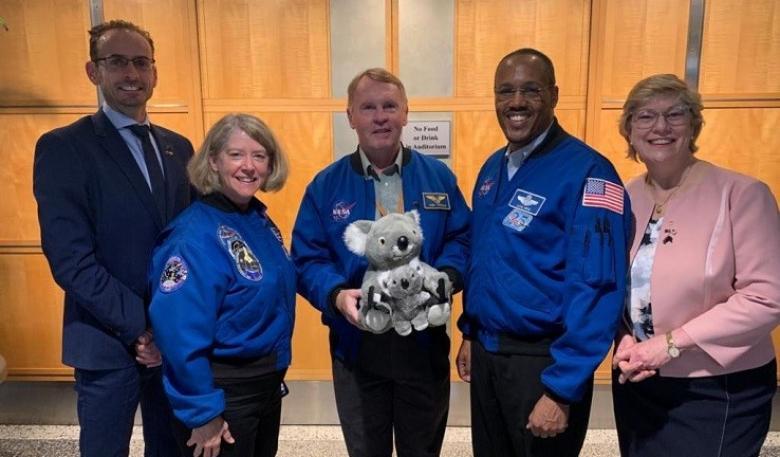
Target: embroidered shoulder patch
526 201
517 220
600 193
485 187
245 260
173 275
436 200
342 210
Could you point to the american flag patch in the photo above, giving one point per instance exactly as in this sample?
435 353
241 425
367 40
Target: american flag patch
603 194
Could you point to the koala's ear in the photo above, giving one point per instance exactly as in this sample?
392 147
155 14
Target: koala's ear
356 236
414 215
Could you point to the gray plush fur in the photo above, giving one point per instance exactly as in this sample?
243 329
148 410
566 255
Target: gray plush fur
392 245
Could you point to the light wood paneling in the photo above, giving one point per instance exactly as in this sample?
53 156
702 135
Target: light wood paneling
741 47
18 135
267 49
744 140
179 122
173 27
486 30
640 38
43 54
31 327
475 136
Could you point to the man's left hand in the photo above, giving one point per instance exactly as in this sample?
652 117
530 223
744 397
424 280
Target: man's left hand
548 418
146 351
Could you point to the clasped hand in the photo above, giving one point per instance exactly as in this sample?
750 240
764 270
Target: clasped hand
146 351
638 361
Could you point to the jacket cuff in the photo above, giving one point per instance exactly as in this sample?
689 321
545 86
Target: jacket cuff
332 300
557 398
455 278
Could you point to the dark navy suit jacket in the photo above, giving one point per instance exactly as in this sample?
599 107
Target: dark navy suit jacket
98 227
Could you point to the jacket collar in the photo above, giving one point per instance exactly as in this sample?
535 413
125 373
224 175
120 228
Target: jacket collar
219 201
357 164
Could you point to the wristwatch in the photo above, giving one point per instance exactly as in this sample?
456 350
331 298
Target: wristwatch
671 349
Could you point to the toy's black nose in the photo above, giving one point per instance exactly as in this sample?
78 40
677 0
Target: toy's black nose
405 283
403 243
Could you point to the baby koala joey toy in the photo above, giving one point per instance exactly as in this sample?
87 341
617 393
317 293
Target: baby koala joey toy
399 291
404 286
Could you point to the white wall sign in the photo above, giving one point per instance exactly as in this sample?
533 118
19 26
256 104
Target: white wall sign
429 137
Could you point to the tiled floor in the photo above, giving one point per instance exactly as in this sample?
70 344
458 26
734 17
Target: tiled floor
294 441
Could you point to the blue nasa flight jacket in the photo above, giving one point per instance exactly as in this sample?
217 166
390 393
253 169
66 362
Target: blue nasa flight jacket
223 291
549 259
341 194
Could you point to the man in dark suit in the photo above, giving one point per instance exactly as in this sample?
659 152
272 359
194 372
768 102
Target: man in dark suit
106 185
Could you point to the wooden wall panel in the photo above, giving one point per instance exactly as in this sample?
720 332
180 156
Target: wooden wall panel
744 140
43 54
173 26
31 327
488 30
475 135
180 122
641 37
741 47
18 211
265 49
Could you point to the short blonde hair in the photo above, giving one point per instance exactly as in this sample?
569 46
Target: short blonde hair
661 85
207 181
375 74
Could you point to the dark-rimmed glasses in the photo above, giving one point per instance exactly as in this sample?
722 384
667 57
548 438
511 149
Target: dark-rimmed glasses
531 94
116 62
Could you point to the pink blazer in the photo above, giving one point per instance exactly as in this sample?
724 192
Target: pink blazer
716 271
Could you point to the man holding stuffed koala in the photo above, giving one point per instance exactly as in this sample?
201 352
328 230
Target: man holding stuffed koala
547 276
387 385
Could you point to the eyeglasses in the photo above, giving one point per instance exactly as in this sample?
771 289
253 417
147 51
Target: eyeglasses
676 116
116 62
531 94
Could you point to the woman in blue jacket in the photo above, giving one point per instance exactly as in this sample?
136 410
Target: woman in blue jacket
223 297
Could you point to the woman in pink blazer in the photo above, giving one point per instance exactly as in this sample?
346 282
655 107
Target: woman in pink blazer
694 363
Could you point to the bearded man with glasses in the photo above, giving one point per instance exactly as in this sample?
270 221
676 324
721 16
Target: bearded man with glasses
106 186
546 279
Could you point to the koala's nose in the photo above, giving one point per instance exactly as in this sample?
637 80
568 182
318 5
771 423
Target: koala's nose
403 243
405 283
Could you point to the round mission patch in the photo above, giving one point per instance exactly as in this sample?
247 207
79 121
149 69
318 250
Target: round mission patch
173 275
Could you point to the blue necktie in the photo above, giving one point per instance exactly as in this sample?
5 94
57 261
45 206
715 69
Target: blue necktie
153 167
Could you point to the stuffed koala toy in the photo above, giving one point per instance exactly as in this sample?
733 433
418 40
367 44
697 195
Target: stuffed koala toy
404 286
391 297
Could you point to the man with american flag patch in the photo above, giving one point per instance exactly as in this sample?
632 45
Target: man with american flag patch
547 276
